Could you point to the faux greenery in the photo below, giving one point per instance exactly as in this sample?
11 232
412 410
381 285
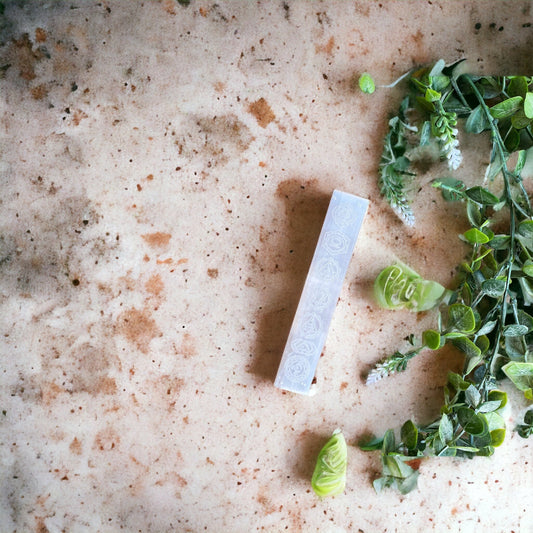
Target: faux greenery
329 477
488 314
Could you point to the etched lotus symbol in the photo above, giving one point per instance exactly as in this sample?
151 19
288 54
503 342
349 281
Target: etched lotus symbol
329 269
297 368
336 242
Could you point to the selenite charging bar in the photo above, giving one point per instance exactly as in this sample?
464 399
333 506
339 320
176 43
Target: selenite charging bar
320 293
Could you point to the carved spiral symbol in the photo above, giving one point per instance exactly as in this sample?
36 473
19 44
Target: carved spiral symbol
303 346
342 216
336 242
297 368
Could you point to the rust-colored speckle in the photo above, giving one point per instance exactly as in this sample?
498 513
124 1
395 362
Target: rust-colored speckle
157 239
40 526
40 35
106 440
188 346
77 116
343 385
169 6
39 92
155 285
212 272
106 385
49 392
326 48
172 478
75 446
138 327
150 177
25 57
262 112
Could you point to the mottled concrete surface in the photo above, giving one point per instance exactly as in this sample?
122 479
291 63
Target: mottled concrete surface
164 173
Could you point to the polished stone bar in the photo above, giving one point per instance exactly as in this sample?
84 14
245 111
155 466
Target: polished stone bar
310 326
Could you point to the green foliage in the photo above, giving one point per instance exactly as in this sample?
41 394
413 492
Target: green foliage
400 287
526 429
366 83
329 477
488 314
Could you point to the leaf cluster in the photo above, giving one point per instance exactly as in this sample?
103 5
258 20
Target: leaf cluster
488 315
440 96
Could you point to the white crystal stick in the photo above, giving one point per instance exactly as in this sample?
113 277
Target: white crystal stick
320 293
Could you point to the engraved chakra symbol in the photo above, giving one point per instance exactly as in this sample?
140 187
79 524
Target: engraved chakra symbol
319 298
310 327
336 242
342 216
297 368
329 269
302 346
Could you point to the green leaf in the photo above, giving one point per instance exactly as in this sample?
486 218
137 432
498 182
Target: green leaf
437 68
498 395
467 347
525 319
482 196
389 442
366 83
474 236
470 421
477 121
515 348
472 396
371 445
506 108
525 228
493 287
487 327
395 466
409 435
517 86
431 95
329 477
497 436
382 483
445 429
457 382
431 339
409 483
500 242
425 133
451 188
461 318
474 214
514 330
512 140
528 105
519 120
483 343
527 268
521 374
489 407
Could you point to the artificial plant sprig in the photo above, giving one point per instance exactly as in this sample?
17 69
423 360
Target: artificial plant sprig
488 315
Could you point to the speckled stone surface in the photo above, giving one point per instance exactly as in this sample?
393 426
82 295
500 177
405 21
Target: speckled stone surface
165 171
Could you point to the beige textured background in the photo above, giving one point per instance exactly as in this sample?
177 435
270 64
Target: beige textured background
164 173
